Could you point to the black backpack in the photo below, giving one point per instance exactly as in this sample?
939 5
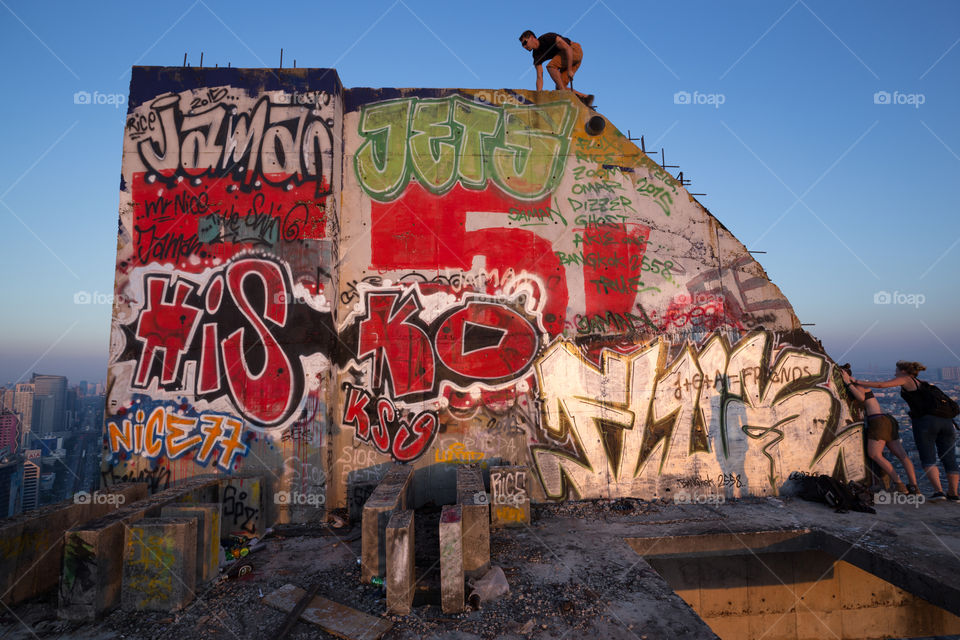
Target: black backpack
842 498
936 402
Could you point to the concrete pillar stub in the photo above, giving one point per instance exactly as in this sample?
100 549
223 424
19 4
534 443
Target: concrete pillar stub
451 559
159 564
401 572
31 544
509 499
475 504
208 535
390 495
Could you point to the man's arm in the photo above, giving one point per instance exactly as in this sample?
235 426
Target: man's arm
539 77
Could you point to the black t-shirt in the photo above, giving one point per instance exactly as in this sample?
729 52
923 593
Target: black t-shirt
548 48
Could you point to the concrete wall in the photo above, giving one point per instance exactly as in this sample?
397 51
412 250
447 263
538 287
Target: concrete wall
804 595
437 277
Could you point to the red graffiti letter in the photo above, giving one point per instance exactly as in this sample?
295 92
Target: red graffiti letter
266 396
164 326
400 347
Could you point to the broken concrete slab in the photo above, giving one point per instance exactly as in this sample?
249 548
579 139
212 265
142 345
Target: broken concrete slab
330 616
208 535
509 500
451 559
391 494
401 573
475 505
159 564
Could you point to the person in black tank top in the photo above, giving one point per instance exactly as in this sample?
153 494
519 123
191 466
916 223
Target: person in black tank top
882 431
935 436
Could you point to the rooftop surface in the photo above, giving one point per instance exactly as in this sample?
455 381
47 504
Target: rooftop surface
572 573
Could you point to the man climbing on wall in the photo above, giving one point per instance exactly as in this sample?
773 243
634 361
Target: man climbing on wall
563 57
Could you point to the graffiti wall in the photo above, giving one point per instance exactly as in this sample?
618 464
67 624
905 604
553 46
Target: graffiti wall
222 327
314 283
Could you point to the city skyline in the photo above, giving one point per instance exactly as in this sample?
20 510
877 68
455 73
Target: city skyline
820 135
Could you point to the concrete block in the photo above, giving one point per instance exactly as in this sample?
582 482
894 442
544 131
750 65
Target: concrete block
357 495
475 505
390 495
208 535
159 564
509 500
31 545
92 569
451 559
401 573
92 575
242 507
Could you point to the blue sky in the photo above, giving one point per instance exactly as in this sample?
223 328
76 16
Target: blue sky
851 192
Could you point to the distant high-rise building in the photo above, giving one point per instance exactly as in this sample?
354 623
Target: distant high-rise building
49 404
30 489
950 373
11 479
9 430
7 394
23 405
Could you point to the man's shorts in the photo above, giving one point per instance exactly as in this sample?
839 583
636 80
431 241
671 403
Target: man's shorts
557 61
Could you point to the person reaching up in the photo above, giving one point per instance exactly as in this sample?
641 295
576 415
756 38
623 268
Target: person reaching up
882 431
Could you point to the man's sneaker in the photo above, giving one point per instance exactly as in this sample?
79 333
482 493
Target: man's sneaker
938 496
953 498
913 490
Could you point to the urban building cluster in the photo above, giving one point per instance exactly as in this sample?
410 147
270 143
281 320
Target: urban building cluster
50 441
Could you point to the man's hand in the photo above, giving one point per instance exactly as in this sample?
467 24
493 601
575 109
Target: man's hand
539 77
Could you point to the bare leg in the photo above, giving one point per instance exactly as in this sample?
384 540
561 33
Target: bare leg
896 448
557 76
953 479
875 451
562 80
933 475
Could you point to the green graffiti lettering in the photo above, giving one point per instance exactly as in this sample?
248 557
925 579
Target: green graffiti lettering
432 146
521 148
535 143
478 124
381 161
